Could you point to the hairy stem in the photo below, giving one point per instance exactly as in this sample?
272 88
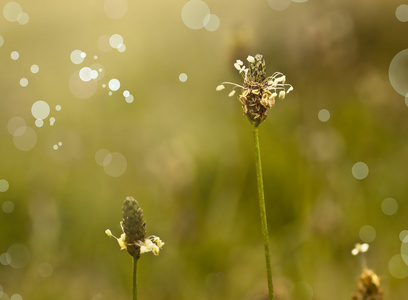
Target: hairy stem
135 259
262 210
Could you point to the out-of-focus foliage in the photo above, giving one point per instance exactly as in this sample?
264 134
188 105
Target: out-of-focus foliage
189 151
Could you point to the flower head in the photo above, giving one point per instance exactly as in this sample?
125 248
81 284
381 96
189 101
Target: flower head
360 248
368 287
133 226
258 92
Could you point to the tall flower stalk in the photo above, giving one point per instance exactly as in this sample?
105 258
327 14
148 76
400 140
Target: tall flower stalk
133 237
258 94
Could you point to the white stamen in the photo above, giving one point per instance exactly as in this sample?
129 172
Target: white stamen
250 59
220 87
282 94
232 93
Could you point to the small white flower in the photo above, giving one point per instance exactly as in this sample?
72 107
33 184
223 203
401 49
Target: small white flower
238 65
360 248
232 93
155 250
250 59
121 241
364 247
220 87
282 94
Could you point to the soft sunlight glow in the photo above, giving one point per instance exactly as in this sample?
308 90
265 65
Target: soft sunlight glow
323 115
183 77
402 13
367 233
194 13
360 170
40 109
4 185
389 206
114 84
398 73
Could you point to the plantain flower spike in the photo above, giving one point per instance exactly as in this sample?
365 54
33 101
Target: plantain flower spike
133 226
368 287
258 92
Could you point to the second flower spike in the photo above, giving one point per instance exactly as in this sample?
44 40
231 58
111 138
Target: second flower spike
258 91
133 225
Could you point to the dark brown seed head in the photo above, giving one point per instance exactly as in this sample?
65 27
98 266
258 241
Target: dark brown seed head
133 225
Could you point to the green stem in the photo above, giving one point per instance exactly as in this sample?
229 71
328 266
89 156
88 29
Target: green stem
135 259
262 210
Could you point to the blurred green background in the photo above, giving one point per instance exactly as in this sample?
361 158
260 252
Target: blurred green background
184 151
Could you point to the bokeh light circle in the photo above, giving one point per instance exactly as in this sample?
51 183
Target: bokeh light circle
397 267
77 57
211 22
302 290
23 82
279 5
323 115
402 13
389 206
14 55
34 69
403 234
20 256
39 122
14 124
115 164
85 74
12 11
4 185
115 41
183 77
115 9
130 99
114 84
58 107
360 170
193 14
398 72
7 207
404 250
100 156
122 48
5 260
367 233
16 297
25 138
40 109
23 18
